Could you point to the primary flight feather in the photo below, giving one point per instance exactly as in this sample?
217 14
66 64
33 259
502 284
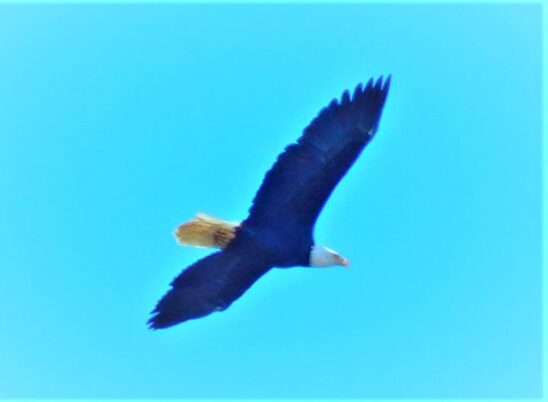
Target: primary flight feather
279 229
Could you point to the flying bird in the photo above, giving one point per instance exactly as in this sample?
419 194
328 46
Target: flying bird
279 230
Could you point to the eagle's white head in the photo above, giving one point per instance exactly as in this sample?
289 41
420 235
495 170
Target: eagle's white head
321 256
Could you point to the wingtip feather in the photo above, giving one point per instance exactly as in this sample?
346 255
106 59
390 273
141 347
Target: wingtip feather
154 323
345 99
386 85
357 91
378 83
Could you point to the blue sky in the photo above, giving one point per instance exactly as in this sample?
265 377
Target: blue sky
117 123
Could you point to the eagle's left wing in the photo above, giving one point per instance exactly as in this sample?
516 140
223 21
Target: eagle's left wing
210 284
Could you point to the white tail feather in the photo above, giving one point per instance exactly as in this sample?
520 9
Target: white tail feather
206 231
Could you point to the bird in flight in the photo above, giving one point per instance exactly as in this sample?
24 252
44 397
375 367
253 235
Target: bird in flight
278 231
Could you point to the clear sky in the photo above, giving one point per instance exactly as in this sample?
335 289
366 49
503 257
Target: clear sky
117 123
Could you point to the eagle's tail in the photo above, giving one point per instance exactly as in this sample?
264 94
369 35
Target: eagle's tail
206 231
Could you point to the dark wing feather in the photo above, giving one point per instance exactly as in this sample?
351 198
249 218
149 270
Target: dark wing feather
296 188
210 284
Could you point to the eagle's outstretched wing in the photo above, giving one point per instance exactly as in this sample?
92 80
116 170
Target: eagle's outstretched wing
296 188
210 284
287 204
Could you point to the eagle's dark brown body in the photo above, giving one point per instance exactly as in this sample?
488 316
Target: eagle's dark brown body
279 229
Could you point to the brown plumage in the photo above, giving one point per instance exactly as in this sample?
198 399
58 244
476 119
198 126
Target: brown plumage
279 231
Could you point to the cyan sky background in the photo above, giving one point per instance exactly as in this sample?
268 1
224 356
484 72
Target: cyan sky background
117 123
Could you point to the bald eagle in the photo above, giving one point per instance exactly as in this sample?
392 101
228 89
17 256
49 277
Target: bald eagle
278 231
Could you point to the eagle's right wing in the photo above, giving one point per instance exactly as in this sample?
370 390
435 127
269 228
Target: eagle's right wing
296 188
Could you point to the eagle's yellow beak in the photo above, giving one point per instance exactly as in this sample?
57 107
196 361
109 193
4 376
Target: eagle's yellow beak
343 262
